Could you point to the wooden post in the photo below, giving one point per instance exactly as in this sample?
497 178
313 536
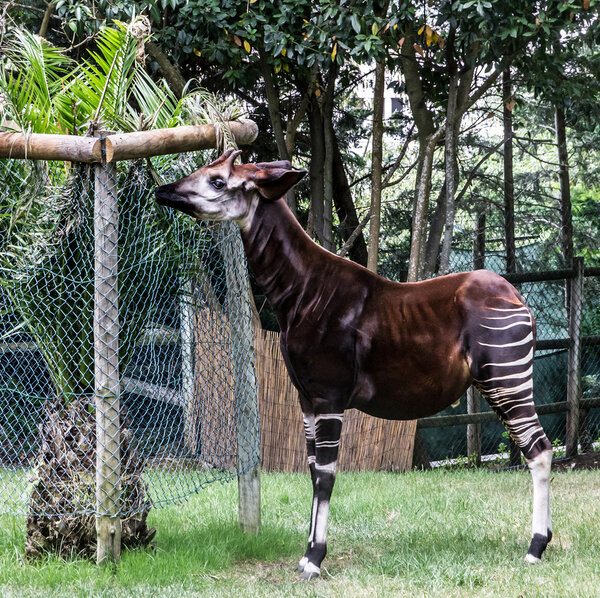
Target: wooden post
474 430
574 358
247 421
106 365
188 390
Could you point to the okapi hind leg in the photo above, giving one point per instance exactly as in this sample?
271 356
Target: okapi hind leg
502 365
541 526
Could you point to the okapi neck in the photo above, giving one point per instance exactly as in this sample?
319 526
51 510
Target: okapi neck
280 255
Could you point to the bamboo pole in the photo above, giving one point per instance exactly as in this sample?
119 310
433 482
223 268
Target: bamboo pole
106 365
122 146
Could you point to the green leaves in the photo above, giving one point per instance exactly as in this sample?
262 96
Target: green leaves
45 94
33 78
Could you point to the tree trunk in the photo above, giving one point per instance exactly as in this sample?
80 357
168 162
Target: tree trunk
566 221
479 241
62 502
436 228
377 165
46 19
316 172
509 205
346 211
450 159
168 70
422 193
272 95
328 134
509 188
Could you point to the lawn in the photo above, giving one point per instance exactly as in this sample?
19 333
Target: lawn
438 533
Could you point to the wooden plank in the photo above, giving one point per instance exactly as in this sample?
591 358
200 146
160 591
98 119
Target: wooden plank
106 366
42 146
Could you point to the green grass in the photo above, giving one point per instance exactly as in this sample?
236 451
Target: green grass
440 533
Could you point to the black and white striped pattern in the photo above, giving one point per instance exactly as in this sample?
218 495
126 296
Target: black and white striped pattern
505 349
505 377
323 433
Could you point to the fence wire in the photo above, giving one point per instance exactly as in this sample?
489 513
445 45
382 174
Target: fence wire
176 367
536 250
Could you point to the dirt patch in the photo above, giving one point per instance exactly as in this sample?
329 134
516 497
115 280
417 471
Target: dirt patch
585 461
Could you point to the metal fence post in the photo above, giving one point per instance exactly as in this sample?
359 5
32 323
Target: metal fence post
106 363
574 358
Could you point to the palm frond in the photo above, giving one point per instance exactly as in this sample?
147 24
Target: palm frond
31 80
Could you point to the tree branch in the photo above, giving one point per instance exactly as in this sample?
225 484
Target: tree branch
168 70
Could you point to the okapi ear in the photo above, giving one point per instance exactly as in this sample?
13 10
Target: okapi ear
274 179
224 156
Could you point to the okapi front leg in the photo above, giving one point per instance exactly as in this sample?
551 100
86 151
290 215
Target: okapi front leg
327 431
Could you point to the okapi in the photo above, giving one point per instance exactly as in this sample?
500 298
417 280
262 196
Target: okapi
354 340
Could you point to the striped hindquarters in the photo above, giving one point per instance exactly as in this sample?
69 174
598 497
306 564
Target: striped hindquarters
502 365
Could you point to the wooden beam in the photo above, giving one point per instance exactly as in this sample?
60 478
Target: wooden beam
106 365
122 146
40 146
144 144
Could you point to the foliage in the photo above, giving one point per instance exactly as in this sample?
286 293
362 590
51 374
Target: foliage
46 220
45 91
551 45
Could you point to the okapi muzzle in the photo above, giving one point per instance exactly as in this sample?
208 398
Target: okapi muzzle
352 339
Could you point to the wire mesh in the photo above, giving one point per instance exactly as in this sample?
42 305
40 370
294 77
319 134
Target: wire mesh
176 382
536 251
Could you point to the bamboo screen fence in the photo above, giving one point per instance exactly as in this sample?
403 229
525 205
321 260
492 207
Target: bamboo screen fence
367 443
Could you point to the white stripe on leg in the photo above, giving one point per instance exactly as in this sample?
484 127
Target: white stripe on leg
539 467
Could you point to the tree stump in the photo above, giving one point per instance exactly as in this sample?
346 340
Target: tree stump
62 505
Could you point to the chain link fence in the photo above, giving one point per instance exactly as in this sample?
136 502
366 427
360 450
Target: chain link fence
125 348
547 294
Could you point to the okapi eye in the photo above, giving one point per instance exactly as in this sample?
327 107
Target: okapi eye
218 184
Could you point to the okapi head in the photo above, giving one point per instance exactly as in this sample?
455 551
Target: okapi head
227 191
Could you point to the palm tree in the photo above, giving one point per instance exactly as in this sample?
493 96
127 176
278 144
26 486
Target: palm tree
46 259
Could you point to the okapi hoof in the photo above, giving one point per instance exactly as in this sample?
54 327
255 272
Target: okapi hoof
307 569
310 572
537 547
303 562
